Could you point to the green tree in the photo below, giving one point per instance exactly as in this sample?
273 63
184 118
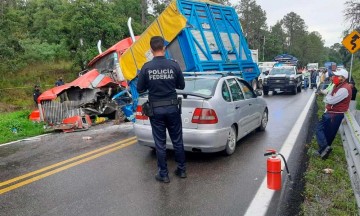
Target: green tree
352 13
45 20
275 42
315 48
253 22
159 6
87 22
295 29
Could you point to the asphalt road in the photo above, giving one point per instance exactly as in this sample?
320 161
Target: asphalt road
70 175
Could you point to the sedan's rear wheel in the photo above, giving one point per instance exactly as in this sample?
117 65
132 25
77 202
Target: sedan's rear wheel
231 141
264 121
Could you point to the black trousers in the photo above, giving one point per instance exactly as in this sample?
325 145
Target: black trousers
168 117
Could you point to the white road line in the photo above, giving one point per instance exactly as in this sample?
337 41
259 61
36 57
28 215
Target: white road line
123 126
260 204
25 139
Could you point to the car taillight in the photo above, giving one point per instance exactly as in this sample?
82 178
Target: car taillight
139 114
204 116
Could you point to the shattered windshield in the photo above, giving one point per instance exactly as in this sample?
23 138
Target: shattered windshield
286 71
106 63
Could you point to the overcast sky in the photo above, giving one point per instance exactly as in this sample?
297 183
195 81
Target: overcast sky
324 16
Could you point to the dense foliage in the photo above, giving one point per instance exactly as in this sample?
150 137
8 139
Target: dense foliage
50 30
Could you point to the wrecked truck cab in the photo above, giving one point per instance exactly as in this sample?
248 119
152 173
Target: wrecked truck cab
88 95
101 90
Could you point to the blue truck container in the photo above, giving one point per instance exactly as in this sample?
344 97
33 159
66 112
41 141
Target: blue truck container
201 35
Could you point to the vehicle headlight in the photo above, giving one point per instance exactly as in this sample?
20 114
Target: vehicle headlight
265 80
291 81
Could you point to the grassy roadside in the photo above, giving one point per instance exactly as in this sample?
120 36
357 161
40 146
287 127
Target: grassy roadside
15 126
17 88
328 194
16 100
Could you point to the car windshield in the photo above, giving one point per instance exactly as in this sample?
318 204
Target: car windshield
200 85
264 69
106 63
287 71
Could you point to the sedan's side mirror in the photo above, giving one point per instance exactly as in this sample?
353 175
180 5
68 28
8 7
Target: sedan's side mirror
258 92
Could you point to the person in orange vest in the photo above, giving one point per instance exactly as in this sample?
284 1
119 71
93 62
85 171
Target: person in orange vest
337 103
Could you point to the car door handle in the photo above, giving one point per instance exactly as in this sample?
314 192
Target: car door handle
237 107
250 104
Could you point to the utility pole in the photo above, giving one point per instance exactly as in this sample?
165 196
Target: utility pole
351 65
263 57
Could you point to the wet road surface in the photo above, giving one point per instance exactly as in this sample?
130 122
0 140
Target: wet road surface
119 179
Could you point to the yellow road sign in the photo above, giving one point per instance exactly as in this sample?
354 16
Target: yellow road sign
352 41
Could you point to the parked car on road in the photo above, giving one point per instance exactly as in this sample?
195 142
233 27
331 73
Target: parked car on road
283 78
264 72
217 111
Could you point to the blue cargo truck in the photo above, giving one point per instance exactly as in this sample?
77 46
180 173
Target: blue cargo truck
201 35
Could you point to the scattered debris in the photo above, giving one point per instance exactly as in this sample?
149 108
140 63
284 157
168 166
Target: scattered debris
328 171
87 138
99 120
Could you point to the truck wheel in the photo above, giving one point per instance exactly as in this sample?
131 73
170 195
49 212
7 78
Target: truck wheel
294 92
254 84
299 88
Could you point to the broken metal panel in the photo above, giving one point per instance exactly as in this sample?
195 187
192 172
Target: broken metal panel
81 95
55 111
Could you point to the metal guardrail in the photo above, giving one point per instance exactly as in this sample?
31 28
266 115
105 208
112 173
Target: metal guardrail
350 135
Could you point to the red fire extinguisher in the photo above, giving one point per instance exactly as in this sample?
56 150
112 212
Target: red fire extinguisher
274 169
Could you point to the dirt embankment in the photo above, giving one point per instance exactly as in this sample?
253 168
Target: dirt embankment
8 108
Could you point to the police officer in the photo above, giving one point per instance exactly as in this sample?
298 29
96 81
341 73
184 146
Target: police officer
161 77
36 94
60 82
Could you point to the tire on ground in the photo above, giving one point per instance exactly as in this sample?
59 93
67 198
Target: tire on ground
231 141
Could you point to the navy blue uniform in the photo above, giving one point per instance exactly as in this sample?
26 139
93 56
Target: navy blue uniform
161 77
59 83
36 95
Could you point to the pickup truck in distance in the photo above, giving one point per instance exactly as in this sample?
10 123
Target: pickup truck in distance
282 78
